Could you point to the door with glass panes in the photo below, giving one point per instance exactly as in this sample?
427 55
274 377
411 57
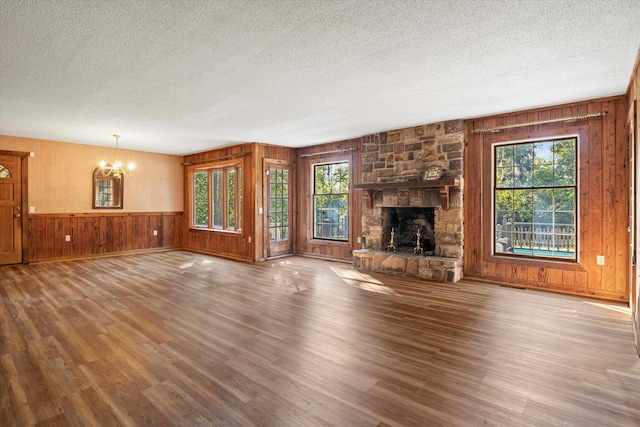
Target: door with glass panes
279 207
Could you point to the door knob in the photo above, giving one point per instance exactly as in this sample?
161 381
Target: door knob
17 215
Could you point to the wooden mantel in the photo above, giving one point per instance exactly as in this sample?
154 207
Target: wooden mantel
441 184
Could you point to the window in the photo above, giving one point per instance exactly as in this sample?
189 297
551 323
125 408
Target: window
535 200
331 201
217 198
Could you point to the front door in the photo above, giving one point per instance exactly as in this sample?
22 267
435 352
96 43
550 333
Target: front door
279 209
10 209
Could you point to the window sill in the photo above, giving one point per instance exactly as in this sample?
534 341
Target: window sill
217 230
323 242
533 262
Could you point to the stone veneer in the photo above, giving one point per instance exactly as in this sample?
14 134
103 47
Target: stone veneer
439 269
403 155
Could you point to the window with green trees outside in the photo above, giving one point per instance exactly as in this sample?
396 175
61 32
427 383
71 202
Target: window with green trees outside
535 199
331 201
217 198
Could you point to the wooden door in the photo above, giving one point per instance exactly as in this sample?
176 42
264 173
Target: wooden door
279 208
10 209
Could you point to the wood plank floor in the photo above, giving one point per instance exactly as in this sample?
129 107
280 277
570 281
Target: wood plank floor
176 338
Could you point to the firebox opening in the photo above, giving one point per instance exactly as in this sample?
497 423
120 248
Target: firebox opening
405 223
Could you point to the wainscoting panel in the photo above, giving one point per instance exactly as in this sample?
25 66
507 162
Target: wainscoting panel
101 233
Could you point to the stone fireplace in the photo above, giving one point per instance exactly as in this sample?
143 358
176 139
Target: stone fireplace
396 196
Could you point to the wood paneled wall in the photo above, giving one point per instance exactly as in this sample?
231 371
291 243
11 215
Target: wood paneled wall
305 244
241 245
101 234
603 201
633 119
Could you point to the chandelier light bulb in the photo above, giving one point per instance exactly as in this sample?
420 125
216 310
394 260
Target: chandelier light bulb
116 170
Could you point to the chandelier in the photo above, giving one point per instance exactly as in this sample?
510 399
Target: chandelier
116 170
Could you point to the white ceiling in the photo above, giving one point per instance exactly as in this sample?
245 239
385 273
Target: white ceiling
180 77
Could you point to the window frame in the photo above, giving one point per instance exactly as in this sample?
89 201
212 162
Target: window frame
224 168
576 187
323 162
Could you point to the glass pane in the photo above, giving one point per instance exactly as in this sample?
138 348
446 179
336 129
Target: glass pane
504 177
504 200
200 199
523 155
4 172
543 175
239 199
503 218
564 174
525 217
565 218
564 151
543 153
523 176
523 200
321 179
564 199
564 154
216 198
543 217
504 156
543 200
231 199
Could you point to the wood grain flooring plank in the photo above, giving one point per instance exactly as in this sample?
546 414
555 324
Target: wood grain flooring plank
177 338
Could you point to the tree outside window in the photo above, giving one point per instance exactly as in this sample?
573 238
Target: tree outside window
535 199
217 198
331 201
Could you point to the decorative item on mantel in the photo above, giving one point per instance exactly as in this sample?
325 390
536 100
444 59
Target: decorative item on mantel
116 169
433 173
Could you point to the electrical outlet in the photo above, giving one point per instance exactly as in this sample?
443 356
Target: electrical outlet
155 232
249 239
67 237
600 259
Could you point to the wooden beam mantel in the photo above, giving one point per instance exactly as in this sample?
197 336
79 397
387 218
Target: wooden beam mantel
443 185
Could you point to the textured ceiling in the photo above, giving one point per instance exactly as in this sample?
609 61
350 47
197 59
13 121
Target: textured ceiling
185 76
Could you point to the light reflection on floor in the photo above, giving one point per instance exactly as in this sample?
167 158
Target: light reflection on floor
362 281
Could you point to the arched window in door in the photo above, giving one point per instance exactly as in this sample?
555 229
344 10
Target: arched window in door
4 172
